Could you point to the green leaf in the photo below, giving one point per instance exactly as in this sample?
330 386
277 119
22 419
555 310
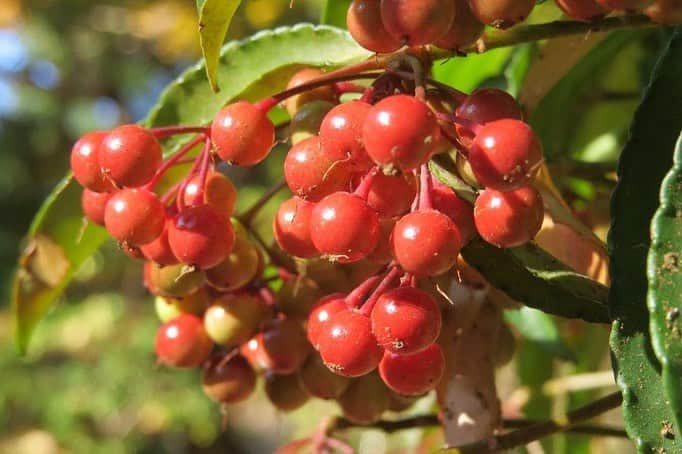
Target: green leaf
334 12
645 160
538 327
665 284
518 67
565 99
467 73
532 276
256 67
214 20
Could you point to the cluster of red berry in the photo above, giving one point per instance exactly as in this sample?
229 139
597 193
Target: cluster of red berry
363 193
386 25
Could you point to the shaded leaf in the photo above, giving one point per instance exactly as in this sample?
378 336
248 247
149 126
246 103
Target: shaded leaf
467 73
645 160
215 17
538 327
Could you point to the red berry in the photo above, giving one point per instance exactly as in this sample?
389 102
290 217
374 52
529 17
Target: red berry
459 210
347 346
219 192
365 400
228 382
405 320
383 253
344 227
501 13
625 5
508 219
321 313
285 345
182 342
319 381
417 22
426 243
310 174
85 164
584 10
291 227
400 131
130 155
233 318
341 135
242 134
134 216
285 391
159 250
483 106
415 374
303 76
464 30
392 195
239 268
94 205
364 23
505 154
201 236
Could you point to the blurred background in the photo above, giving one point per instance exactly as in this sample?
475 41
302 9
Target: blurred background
89 384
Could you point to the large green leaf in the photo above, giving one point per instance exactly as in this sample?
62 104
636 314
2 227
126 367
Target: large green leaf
536 326
467 73
214 20
58 244
665 284
646 158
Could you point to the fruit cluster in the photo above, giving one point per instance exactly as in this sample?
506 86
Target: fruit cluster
363 200
386 25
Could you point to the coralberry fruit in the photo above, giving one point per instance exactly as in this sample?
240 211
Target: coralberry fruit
159 250
321 314
414 374
508 219
292 228
483 106
405 320
319 381
94 204
228 382
505 154
501 13
401 132
285 345
219 192
85 164
242 134
365 400
464 30
174 280
285 391
233 318
344 227
307 120
392 195
182 342
239 268
341 135
201 236
417 22
129 155
169 308
426 243
585 10
297 296
364 23
461 212
323 93
134 216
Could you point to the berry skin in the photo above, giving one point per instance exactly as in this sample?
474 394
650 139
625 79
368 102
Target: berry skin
483 106
417 22
228 382
364 23
341 135
415 374
285 391
464 30
365 400
392 195
320 382
219 192
383 253
297 296
94 204
134 216
399 403
307 120
405 320
242 134
232 319
129 155
284 345
305 75
508 219
505 154
426 243
85 165
174 281
347 346
169 308
344 227
291 227
401 132
159 250
182 342
201 236
460 211
501 13
667 12
239 268
310 174
584 10
321 314
625 5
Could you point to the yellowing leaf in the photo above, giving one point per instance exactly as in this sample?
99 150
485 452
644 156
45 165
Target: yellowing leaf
214 20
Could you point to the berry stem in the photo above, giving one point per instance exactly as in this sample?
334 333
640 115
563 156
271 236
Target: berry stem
392 274
170 193
417 72
203 171
425 199
354 298
365 185
341 88
267 295
368 94
247 217
167 131
175 159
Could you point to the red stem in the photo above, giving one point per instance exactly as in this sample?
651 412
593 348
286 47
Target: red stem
203 172
354 298
180 201
425 199
167 131
393 273
267 295
365 185
170 193
174 160
343 87
368 94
